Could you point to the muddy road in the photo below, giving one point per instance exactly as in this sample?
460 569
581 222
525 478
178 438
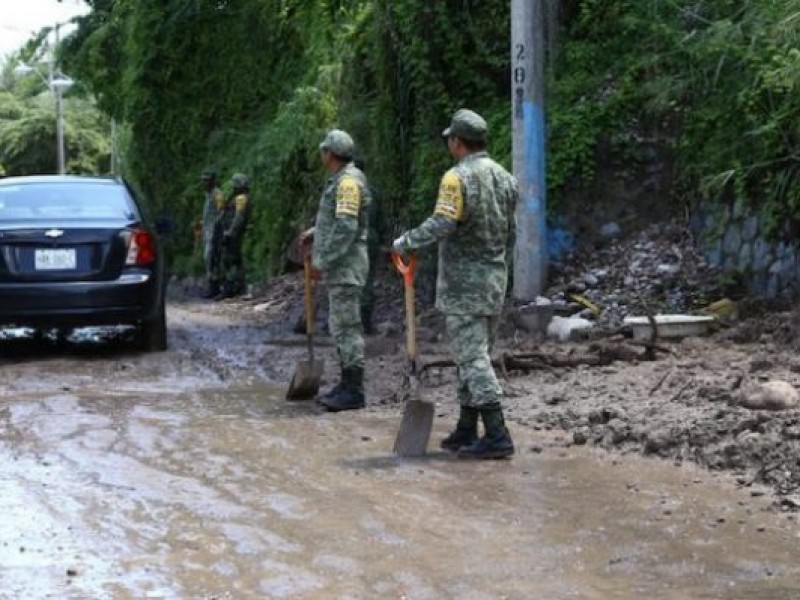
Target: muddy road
186 475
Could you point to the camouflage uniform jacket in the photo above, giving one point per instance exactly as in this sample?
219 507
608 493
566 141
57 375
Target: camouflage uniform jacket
475 225
212 208
235 215
340 234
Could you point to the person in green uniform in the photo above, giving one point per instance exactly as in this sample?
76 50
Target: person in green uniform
474 225
340 255
233 223
213 203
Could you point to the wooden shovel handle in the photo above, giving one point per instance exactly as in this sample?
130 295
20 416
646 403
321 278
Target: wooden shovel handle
308 288
408 271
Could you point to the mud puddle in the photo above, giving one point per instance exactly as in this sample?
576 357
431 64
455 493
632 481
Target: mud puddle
235 494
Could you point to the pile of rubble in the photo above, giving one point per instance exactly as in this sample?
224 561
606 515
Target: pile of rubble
659 270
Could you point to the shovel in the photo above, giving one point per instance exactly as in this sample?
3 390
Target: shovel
307 374
415 427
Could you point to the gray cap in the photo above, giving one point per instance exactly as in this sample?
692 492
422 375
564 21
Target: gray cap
339 142
467 125
239 181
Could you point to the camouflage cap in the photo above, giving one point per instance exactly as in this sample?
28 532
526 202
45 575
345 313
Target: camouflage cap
239 181
208 173
339 142
467 125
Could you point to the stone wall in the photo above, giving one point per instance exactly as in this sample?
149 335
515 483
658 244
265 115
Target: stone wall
738 241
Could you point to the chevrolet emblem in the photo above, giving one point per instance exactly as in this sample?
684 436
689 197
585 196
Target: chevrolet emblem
54 233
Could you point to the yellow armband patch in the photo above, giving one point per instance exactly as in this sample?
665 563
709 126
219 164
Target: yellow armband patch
219 200
241 202
348 198
450 203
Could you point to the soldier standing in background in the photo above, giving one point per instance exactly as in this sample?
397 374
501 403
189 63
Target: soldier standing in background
340 253
474 224
233 223
212 236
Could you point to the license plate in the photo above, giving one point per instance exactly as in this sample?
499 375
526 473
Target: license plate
62 259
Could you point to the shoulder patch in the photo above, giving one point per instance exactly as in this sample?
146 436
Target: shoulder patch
219 200
348 198
450 203
241 202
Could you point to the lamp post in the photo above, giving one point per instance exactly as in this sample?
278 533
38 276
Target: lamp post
57 83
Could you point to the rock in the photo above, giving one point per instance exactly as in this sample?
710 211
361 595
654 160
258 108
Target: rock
732 241
772 395
791 502
610 231
750 228
263 307
568 328
590 280
579 438
656 442
666 269
388 329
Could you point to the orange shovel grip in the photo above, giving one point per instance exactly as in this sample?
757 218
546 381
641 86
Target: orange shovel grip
406 269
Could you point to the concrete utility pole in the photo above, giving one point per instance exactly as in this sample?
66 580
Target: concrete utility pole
528 48
59 109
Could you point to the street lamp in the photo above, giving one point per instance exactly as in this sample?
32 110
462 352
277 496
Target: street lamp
57 83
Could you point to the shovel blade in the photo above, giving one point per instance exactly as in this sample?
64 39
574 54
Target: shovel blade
415 428
306 380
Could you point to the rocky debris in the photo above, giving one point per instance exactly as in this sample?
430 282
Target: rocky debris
687 407
569 328
658 270
772 395
781 328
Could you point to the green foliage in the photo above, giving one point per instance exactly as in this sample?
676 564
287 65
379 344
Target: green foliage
716 79
252 86
28 135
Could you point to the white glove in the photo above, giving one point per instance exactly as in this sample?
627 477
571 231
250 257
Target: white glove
400 245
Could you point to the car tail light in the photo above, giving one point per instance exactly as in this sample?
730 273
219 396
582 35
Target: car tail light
141 248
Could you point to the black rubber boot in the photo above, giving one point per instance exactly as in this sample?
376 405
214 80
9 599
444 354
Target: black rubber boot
351 396
496 442
466 431
335 390
212 291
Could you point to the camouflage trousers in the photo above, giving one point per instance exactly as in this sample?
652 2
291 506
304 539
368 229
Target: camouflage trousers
471 338
344 320
211 258
231 266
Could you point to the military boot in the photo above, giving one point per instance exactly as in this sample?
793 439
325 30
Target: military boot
466 431
212 291
335 390
496 442
351 395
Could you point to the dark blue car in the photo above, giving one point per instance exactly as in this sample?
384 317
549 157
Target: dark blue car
75 252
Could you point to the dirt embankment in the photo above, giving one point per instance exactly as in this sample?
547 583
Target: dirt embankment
684 406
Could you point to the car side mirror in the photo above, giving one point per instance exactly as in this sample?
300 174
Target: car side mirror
165 225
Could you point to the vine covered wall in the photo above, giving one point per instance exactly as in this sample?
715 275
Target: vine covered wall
252 85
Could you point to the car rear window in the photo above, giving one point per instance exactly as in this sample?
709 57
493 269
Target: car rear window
47 201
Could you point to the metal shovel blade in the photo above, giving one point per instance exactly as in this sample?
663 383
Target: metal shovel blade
415 426
306 380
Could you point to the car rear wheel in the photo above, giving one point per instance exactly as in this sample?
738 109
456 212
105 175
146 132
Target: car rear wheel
153 333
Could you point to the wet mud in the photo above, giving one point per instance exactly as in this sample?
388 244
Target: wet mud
186 475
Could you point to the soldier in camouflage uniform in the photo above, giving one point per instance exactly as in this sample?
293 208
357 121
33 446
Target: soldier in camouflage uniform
474 224
340 253
214 202
233 223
